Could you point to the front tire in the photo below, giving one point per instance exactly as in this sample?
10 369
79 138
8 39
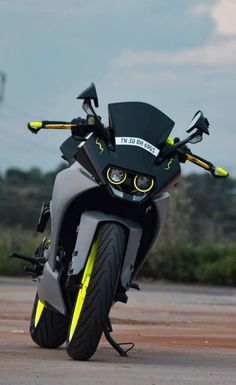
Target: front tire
95 296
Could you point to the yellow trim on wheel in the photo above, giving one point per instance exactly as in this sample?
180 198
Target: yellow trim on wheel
38 313
83 291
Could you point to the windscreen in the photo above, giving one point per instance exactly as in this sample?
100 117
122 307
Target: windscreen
139 124
138 130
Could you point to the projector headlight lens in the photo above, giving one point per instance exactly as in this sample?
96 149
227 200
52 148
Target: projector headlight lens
143 183
116 175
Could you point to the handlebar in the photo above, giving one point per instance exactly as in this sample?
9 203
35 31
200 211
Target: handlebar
216 172
180 147
34 127
185 154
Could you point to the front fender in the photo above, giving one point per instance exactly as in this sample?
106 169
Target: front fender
89 223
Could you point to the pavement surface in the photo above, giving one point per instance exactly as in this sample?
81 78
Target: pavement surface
182 335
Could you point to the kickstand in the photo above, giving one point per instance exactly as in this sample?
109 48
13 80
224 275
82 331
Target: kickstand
117 346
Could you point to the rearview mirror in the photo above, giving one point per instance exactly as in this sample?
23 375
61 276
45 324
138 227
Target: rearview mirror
87 107
199 122
89 93
196 139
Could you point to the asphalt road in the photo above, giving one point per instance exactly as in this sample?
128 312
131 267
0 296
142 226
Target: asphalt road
182 335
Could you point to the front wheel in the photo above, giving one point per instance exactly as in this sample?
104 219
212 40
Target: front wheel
95 296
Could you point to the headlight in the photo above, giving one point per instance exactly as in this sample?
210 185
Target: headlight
116 175
143 183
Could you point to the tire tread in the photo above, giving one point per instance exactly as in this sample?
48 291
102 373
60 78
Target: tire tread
100 292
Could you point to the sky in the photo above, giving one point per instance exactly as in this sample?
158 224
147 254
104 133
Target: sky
179 56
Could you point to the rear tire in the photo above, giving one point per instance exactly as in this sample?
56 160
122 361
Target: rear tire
108 249
50 328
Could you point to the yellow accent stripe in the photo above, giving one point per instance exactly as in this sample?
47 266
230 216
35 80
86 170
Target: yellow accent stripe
221 171
47 242
170 141
60 126
198 162
99 145
169 164
38 313
83 291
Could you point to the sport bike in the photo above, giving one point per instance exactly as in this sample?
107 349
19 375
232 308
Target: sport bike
106 212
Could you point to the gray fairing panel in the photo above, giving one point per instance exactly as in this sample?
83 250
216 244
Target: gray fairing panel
68 185
49 289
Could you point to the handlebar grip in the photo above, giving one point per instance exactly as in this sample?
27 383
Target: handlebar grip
34 127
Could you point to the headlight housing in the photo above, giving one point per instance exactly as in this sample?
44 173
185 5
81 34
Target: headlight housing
128 184
116 175
143 183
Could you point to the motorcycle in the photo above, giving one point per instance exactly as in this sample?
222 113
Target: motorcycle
107 210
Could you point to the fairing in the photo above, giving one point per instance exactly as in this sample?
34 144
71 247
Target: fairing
138 131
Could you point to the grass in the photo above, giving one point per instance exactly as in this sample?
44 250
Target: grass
206 263
18 240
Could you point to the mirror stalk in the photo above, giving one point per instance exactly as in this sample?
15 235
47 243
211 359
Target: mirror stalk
87 106
172 150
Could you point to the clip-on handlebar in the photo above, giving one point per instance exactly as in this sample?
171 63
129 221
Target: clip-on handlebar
179 147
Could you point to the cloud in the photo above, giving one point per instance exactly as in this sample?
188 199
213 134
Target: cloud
215 53
218 52
222 13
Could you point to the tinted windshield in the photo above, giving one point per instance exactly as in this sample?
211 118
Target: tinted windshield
139 129
139 120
